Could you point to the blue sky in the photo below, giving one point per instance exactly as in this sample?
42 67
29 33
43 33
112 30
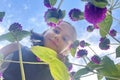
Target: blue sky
30 14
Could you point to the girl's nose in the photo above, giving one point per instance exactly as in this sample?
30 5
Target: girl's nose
56 38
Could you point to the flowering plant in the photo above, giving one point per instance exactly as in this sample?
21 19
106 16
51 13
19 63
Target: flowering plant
98 13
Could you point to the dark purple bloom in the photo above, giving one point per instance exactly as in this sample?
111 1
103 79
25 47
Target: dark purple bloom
47 3
53 17
94 14
81 53
90 28
38 59
75 14
96 59
104 43
70 67
15 27
113 32
72 73
82 43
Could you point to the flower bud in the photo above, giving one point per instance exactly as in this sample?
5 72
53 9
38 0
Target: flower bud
113 32
15 27
81 53
96 59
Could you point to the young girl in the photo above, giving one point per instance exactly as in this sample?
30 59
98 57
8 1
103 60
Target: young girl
58 39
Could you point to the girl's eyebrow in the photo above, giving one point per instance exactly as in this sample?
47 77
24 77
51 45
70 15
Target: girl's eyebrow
59 28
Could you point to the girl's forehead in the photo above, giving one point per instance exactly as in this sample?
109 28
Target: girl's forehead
67 30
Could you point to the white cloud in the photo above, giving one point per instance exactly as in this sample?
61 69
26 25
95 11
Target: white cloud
2 30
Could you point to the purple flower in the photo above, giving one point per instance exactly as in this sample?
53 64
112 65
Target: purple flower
90 28
104 43
47 3
53 17
94 14
96 59
38 59
113 32
1 75
75 14
82 43
70 67
15 27
81 53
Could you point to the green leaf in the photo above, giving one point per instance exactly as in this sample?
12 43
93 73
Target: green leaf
57 68
105 25
106 68
81 16
74 47
1 56
100 3
52 2
93 66
45 54
18 35
8 36
118 52
53 19
73 51
99 77
2 14
22 34
118 67
81 72
62 14
109 68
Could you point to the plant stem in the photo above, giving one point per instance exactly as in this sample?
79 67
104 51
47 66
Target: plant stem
78 64
20 60
111 36
107 76
85 60
114 44
115 39
108 54
59 5
23 62
92 50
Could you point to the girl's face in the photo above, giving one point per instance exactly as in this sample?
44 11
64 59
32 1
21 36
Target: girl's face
60 37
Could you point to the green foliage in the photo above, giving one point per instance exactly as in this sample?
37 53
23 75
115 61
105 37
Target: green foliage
106 68
105 25
109 68
2 14
99 3
52 2
60 14
14 36
57 68
99 77
81 72
74 47
73 51
118 52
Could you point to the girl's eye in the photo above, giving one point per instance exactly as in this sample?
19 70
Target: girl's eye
56 31
64 39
